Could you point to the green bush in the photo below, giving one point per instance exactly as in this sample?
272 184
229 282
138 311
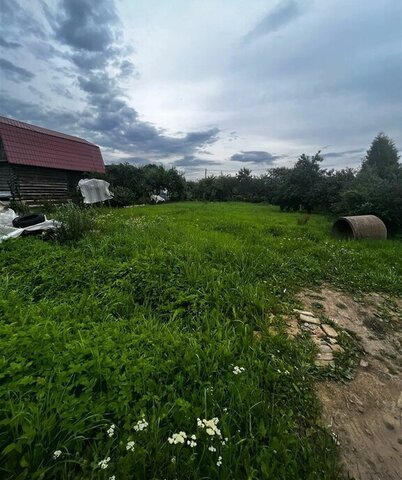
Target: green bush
372 195
75 222
122 196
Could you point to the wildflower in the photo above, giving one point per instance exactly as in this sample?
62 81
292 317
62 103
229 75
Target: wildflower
211 426
141 425
177 438
237 370
193 437
110 430
191 443
219 462
225 409
56 454
130 446
113 477
173 459
103 464
212 449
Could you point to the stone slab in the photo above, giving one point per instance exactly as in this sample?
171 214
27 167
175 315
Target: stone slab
337 348
303 312
309 319
325 356
331 332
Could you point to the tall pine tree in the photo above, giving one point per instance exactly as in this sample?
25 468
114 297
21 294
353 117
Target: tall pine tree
382 157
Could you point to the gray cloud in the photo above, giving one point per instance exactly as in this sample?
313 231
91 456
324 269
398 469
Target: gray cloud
127 69
136 161
84 25
97 84
37 92
191 161
255 156
61 90
17 21
4 43
91 33
56 119
18 74
343 153
285 12
88 60
310 88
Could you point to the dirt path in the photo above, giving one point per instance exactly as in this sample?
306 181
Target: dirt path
366 413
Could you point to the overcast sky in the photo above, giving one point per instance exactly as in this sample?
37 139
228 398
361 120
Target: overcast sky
216 84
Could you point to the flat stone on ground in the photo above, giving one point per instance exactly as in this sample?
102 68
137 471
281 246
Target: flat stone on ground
325 349
309 326
323 363
309 319
337 348
303 312
329 330
318 332
325 356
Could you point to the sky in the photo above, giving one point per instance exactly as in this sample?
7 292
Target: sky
207 84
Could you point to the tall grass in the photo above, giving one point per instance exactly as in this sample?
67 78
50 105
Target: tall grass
148 318
75 222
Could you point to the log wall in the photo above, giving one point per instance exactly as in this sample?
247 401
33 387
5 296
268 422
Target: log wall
35 185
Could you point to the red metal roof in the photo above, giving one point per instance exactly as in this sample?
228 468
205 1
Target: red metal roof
27 144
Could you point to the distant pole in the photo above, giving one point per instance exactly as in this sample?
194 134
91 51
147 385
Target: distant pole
205 173
221 174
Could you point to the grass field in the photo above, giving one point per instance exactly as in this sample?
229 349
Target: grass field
147 317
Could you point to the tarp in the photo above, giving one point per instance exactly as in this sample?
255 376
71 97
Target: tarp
8 231
157 198
94 190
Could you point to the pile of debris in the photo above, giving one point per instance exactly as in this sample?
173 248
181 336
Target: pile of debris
12 226
323 335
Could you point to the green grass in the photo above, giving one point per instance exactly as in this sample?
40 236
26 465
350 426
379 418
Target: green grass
146 317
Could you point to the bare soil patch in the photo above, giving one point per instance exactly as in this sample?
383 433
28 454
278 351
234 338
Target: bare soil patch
365 413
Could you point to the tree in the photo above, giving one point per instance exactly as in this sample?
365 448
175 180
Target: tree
176 184
244 174
382 157
300 188
244 181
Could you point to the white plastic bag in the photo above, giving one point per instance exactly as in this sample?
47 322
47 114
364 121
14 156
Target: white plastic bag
7 217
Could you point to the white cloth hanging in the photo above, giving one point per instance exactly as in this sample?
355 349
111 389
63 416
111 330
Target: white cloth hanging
94 190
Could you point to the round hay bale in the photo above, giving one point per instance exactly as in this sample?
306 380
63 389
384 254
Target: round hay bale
359 227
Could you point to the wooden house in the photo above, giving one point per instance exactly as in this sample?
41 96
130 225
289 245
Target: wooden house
39 165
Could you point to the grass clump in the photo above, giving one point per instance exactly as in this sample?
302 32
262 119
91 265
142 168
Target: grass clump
75 222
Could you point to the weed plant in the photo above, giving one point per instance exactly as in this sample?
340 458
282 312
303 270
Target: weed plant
75 222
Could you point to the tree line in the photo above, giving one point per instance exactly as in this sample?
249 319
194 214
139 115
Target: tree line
375 188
